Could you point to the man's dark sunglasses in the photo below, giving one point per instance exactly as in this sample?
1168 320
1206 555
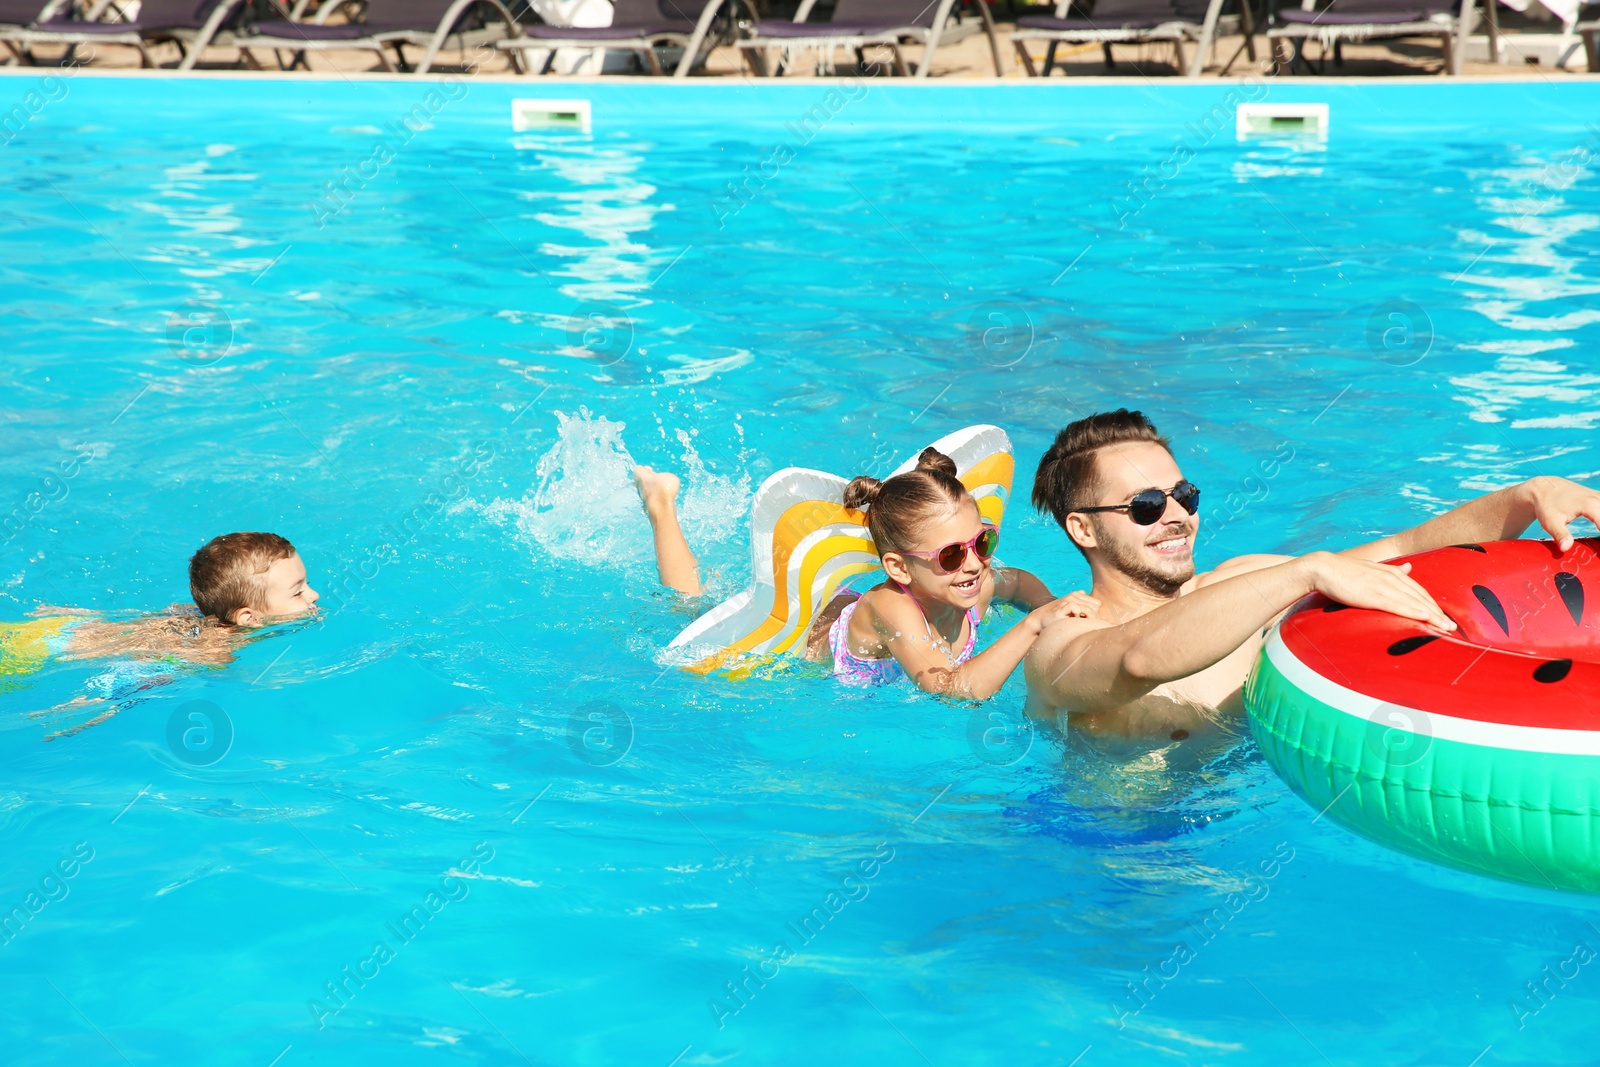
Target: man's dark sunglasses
1147 507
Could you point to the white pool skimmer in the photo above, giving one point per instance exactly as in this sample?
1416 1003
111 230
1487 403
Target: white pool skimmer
1282 120
550 115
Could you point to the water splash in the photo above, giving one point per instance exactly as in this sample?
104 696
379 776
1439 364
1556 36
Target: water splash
584 506
715 512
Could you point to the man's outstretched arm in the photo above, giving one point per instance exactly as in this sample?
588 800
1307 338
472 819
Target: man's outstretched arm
1555 503
1084 667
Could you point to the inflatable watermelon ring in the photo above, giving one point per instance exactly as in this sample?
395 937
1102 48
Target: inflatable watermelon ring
1479 749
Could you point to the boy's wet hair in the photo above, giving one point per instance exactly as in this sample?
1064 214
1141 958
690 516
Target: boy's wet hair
230 572
897 507
1067 478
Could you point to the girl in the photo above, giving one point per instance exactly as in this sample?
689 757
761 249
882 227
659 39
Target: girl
923 622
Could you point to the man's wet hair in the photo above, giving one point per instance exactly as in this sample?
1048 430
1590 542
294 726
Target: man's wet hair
1068 478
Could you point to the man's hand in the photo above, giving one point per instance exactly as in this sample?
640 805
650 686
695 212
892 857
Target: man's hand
1380 586
1079 605
1557 502
1503 515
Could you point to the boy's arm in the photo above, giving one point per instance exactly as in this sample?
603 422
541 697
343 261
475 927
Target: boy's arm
1502 515
1093 666
153 636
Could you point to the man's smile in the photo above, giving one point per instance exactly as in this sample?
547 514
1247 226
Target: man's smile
1172 543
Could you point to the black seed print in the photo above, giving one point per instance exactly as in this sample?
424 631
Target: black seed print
1553 671
1410 644
1571 589
1492 605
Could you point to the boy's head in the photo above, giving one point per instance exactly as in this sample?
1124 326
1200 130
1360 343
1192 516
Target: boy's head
247 579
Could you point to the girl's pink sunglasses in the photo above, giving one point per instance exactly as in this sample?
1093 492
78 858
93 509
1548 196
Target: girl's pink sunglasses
952 556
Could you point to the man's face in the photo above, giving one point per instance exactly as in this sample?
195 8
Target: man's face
288 592
1161 556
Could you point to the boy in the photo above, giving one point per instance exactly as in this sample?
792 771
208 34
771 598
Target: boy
239 581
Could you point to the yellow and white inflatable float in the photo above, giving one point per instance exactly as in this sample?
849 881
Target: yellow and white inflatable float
804 542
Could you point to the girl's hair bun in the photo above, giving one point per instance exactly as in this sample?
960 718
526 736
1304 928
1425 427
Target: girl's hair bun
931 459
861 492
898 508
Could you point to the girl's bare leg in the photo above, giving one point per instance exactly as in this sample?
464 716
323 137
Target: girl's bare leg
674 562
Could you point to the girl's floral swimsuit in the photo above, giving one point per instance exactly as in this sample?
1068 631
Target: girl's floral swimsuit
853 670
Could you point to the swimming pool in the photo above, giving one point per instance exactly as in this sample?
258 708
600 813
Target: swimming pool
427 382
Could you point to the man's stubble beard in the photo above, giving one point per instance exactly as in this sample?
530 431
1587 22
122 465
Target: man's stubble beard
1126 560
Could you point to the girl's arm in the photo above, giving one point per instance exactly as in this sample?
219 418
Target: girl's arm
902 630
1017 586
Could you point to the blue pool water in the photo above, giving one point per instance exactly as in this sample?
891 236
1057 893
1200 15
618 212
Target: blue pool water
434 391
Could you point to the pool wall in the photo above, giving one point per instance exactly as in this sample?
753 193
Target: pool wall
1432 107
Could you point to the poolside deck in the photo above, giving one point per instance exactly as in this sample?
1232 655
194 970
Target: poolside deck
970 59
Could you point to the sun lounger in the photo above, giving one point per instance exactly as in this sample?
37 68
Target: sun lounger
16 15
194 25
1124 22
385 24
1590 32
640 27
1450 21
862 24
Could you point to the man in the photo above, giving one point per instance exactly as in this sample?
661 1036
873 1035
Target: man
1170 651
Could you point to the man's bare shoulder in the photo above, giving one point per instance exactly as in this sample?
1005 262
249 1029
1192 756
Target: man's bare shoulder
1232 568
1055 638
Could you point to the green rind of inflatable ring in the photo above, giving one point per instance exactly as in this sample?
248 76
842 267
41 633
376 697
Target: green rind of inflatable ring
1525 816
